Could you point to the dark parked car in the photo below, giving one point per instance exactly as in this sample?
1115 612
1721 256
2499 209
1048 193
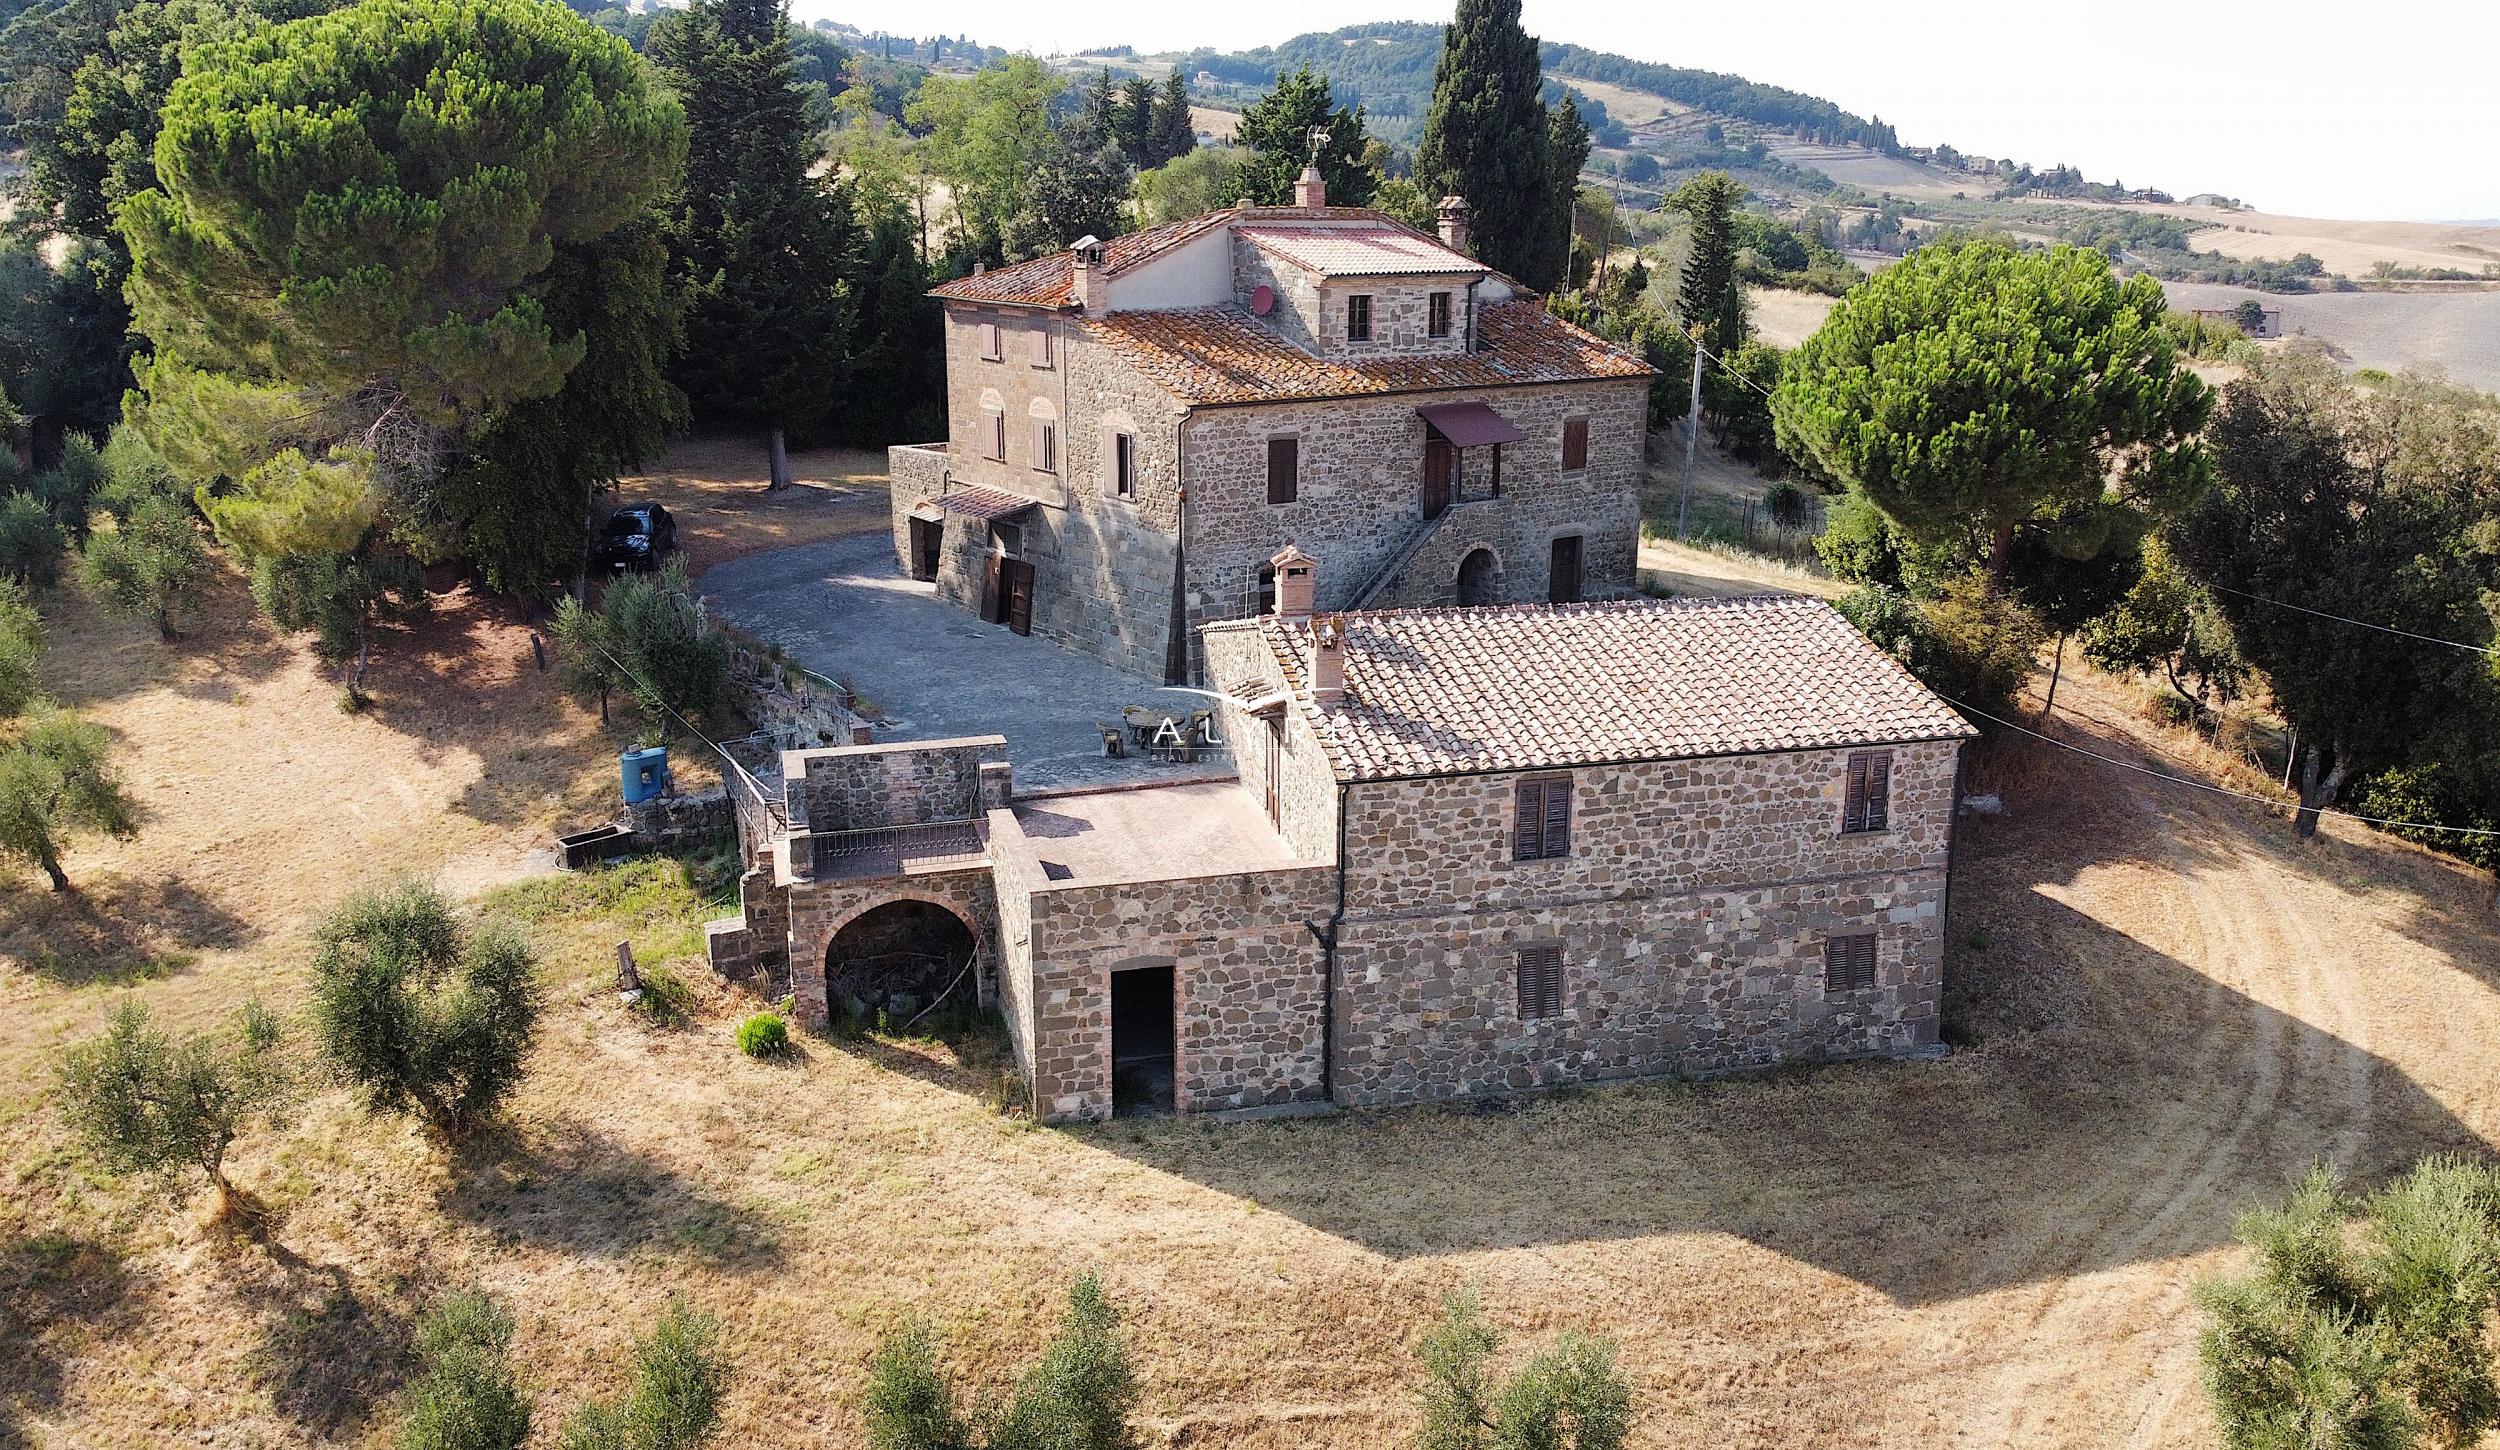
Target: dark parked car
638 538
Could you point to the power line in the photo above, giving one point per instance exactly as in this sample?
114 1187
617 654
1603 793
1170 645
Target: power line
2164 775
2363 623
1731 372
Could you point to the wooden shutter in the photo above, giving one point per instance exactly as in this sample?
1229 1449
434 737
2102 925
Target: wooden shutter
1540 982
998 435
1867 802
1438 322
1040 342
1558 818
1284 469
990 342
1542 829
1575 443
1045 446
1849 962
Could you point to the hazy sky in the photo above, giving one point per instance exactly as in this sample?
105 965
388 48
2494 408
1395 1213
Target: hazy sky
2379 110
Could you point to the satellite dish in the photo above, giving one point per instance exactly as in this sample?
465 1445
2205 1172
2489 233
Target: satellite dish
1263 300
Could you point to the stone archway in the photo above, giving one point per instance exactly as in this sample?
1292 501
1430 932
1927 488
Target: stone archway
898 958
1480 577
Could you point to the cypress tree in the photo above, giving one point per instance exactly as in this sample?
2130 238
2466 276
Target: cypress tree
1547 259
762 248
1137 123
1175 134
1485 138
1708 297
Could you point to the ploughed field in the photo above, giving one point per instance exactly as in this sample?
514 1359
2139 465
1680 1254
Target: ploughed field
2167 1010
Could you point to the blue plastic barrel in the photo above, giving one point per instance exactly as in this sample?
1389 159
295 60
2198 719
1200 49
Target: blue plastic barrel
646 773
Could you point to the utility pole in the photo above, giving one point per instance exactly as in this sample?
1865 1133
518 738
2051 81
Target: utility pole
1692 435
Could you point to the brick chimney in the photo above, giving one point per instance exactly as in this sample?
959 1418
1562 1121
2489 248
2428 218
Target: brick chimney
1453 215
1088 288
1309 192
1297 578
1328 661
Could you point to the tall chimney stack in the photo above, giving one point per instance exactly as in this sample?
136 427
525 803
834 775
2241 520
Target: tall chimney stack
1297 578
1087 287
1309 192
1453 215
1328 661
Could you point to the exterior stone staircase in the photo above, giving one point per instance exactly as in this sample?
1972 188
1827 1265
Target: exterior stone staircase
1388 586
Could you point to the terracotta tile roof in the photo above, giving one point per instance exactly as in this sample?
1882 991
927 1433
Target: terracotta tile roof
1381 250
1442 691
1223 355
1044 281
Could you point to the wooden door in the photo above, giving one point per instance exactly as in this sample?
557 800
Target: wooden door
1563 583
993 594
1275 757
1017 577
924 549
1440 474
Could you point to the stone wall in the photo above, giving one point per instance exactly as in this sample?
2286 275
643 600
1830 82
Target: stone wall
861 787
1296 316
1360 502
1691 916
1247 979
820 909
1401 317
915 475
1240 663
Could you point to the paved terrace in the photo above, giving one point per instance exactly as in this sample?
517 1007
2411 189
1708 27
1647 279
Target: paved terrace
845 610
1157 833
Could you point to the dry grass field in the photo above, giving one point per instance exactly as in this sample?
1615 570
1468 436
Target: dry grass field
2453 333
2164 1010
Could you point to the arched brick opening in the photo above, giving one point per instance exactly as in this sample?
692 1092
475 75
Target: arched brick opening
898 958
1480 577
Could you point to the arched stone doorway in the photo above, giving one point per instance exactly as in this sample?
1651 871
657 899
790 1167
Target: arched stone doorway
1479 578
896 960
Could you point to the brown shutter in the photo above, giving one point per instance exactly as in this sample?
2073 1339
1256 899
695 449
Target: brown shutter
1528 827
998 435
1540 982
1041 347
1853 800
1575 443
1558 818
1284 469
1879 790
1849 962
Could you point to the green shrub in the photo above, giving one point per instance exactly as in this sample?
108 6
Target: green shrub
31 542
675 1402
909 1404
1568 1397
2373 1339
56 781
68 490
1079 1396
764 1035
421 1015
465 1396
149 565
21 646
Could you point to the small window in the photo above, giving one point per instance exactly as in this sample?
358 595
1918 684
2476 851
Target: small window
1542 828
993 347
1124 464
1437 315
1045 451
1041 347
1540 982
1562 571
1849 962
1575 444
998 435
1358 318
1263 600
1007 539
1868 802
1284 470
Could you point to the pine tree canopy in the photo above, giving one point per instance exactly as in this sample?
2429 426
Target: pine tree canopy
1277 131
359 200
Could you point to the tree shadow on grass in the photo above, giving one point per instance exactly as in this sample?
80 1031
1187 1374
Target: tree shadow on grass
53 1288
114 930
575 1189
331 1349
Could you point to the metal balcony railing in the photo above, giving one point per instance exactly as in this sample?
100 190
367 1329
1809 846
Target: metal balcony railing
895 850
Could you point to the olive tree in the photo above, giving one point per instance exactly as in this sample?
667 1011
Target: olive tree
679 1373
1568 1396
465 1396
420 1013
143 1101
57 782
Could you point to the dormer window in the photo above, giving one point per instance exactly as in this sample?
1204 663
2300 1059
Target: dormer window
1358 318
1437 316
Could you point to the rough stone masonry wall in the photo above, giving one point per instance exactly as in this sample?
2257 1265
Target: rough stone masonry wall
1247 986
915 474
1239 662
861 787
820 909
1361 497
1401 317
1691 916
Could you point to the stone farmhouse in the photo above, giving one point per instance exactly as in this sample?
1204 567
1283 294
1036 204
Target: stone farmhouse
1135 427
1467 851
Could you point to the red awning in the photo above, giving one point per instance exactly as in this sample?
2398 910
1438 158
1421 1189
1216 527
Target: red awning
985 503
1469 425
